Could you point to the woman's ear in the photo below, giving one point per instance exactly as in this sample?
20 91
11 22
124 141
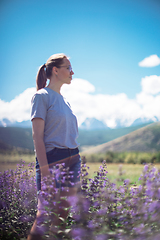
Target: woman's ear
55 70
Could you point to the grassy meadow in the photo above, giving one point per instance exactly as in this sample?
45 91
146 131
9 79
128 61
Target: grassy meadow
15 158
117 172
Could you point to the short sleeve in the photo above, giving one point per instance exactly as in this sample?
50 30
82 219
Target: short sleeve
38 106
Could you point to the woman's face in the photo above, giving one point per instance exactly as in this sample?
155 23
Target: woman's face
64 72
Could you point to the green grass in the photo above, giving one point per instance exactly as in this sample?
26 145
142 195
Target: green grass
10 161
129 171
15 158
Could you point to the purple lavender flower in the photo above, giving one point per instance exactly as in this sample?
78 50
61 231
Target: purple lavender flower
78 233
101 237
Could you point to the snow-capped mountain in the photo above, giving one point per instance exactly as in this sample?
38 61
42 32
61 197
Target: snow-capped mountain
93 123
7 123
88 124
139 121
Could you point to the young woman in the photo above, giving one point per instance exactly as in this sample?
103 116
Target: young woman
54 128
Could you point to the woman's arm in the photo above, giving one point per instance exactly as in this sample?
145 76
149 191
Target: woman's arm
38 139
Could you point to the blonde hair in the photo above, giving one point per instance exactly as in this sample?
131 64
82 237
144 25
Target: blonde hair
45 70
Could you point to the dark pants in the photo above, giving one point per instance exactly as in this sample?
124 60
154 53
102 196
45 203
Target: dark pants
71 160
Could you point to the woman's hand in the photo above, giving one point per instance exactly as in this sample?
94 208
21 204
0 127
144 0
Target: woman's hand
47 176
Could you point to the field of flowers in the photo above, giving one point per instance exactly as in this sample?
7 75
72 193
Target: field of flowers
118 172
102 210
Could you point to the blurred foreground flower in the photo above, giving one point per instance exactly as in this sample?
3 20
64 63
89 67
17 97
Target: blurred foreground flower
100 210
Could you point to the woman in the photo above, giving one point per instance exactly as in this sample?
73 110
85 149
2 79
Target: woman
54 128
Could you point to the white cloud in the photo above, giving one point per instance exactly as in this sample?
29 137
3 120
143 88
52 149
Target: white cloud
19 108
151 61
79 85
111 109
150 105
151 84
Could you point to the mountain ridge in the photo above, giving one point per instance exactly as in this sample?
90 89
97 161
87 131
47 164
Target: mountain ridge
22 137
145 139
93 123
89 123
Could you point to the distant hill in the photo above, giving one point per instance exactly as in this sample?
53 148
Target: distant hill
98 136
146 139
18 137
5 147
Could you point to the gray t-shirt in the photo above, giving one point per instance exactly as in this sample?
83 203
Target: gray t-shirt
61 128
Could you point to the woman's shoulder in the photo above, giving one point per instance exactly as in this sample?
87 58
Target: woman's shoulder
42 91
41 95
46 95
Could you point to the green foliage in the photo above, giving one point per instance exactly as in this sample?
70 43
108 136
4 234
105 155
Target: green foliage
125 157
110 157
17 202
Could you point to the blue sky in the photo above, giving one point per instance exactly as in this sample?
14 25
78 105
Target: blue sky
104 39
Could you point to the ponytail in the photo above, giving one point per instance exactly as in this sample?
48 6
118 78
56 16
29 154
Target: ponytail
41 77
45 71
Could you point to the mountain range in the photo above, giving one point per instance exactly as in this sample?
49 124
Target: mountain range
7 123
88 124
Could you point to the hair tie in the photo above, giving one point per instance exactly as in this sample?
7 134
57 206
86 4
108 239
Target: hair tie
44 65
